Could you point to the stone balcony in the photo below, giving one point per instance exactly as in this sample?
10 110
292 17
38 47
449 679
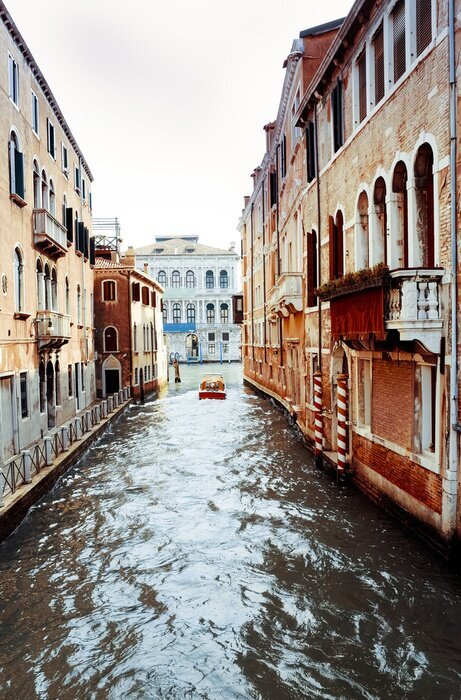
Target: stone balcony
49 235
413 306
285 297
53 329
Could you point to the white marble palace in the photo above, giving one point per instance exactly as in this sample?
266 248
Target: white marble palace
199 283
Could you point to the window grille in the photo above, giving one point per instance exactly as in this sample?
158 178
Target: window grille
378 44
362 76
423 25
398 25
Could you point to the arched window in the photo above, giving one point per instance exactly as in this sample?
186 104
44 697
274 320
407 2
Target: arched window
47 279
362 253
379 229
52 199
424 201
18 281
79 306
223 279
400 204
175 279
37 186
54 290
110 339
40 286
190 279
108 290
209 280
210 316
176 313
67 297
57 382
162 278
16 160
336 246
224 313
42 386
64 211
45 195
190 313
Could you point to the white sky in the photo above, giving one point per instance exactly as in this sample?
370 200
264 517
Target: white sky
167 100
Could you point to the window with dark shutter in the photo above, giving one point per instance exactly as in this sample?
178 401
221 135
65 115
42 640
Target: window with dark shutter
18 173
362 80
92 251
273 188
24 406
283 156
312 282
378 47
337 109
423 25
135 291
310 147
81 237
86 243
398 29
50 136
70 225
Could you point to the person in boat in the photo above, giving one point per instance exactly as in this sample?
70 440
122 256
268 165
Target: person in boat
177 376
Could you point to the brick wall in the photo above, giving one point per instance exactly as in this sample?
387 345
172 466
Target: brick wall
418 482
393 401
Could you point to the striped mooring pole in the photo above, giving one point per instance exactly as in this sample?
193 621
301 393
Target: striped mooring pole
342 424
318 432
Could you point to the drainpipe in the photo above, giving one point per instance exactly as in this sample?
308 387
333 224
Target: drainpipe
319 235
451 481
278 243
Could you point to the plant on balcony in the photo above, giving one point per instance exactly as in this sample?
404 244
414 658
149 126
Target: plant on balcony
354 282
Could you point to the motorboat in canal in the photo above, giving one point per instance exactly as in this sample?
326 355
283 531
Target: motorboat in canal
212 386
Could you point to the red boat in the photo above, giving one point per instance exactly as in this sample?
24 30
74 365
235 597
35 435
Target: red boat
212 387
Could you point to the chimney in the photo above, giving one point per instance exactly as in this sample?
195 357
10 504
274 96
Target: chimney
232 246
146 267
129 258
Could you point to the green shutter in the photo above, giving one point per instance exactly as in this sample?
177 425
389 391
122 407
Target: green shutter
19 173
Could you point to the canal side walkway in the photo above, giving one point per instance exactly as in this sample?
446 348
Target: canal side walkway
27 476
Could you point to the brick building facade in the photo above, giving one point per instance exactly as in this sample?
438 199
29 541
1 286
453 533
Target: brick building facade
349 258
129 329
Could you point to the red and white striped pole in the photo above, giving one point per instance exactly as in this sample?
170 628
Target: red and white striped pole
318 431
342 424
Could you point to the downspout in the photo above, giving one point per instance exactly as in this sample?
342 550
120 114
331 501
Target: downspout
252 286
278 242
319 237
452 474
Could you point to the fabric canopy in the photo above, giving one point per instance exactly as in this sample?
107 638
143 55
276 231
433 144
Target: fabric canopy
358 316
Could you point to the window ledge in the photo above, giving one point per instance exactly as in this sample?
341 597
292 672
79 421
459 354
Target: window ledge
17 200
78 253
22 315
79 325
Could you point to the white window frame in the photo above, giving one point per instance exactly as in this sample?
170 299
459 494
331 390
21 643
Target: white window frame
13 80
35 113
64 160
51 137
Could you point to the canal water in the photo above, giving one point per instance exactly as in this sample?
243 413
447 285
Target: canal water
196 552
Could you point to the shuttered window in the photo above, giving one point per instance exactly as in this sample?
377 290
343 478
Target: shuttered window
398 29
283 157
337 109
51 145
312 282
423 25
24 404
273 188
310 143
362 80
378 46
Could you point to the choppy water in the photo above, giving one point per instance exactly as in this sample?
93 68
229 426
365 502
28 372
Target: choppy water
195 552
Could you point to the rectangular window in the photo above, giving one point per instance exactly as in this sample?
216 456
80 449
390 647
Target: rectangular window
283 157
24 404
273 188
135 291
211 337
77 183
108 290
13 80
83 375
145 295
337 110
64 160
225 348
428 407
423 25
225 337
398 33
135 375
312 282
83 189
34 113
310 152
362 86
211 348
378 50
295 130
51 142
364 393
69 380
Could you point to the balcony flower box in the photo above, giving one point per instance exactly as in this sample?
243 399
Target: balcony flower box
377 276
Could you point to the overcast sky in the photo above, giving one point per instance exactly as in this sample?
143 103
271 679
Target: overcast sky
167 100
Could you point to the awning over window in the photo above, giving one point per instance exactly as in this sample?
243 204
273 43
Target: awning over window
358 316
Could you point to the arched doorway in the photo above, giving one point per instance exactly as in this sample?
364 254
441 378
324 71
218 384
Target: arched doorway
111 376
50 403
339 365
191 345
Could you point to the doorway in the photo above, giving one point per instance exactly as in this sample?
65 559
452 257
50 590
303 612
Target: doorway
6 399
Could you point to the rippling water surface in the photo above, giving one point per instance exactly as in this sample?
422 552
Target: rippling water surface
195 552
